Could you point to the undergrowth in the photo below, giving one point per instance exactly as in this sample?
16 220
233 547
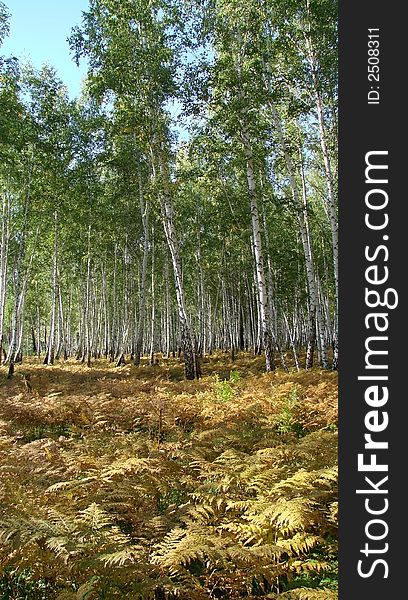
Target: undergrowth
134 484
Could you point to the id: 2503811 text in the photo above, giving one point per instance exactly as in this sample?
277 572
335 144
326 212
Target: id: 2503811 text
373 66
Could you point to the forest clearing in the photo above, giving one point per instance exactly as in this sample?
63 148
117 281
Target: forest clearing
169 305
135 483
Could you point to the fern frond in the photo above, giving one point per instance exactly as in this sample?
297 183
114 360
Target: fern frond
85 592
306 594
94 517
301 543
121 558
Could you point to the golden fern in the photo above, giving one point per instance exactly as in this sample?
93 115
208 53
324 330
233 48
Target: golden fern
305 594
135 487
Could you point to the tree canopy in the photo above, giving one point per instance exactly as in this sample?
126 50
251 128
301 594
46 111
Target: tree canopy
121 236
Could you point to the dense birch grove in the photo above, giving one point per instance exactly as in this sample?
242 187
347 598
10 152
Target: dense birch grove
168 306
186 202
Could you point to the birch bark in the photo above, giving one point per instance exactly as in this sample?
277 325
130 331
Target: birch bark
187 344
144 212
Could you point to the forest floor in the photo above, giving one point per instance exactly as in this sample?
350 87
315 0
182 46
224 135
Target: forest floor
134 483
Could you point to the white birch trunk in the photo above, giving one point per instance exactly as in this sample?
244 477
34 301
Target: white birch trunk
50 355
264 315
187 344
331 199
144 212
5 223
301 208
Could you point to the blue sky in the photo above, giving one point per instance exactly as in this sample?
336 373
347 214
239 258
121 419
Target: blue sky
39 30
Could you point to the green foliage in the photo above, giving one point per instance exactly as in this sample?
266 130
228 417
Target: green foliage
151 66
4 22
286 420
20 585
42 431
139 486
223 389
226 389
235 376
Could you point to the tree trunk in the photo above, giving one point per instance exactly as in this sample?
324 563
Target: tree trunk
50 355
187 344
301 209
264 314
330 200
266 337
3 262
153 312
19 286
144 211
168 314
